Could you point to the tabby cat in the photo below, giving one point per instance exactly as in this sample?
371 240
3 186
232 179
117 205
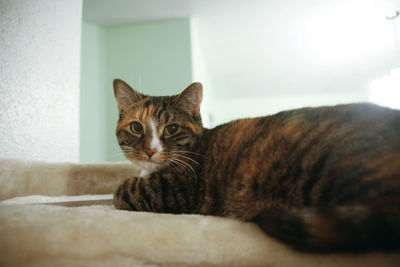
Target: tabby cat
323 179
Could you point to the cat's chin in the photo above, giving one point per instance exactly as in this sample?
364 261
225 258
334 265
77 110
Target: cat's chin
148 166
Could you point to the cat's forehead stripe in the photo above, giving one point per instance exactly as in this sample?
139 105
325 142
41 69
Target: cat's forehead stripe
147 113
148 109
145 100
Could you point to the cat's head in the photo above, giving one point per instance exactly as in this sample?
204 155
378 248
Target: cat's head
157 131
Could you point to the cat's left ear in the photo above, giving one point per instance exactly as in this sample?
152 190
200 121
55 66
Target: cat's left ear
124 94
191 97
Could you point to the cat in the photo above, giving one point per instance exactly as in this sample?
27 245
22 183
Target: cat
323 179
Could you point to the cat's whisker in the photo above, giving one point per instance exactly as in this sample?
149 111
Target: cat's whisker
180 156
177 164
126 152
188 152
172 164
184 157
113 152
129 150
185 164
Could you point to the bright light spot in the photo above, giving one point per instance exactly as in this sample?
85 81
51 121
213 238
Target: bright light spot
337 35
386 91
392 14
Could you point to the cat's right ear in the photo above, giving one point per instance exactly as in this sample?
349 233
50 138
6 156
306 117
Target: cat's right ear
124 94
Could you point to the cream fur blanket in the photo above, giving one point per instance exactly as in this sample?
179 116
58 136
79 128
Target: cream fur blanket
33 233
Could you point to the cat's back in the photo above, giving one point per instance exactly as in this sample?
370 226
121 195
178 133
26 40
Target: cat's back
351 120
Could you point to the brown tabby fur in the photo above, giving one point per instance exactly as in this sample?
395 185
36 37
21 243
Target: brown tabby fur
319 179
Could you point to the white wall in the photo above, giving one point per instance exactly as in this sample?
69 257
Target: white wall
225 110
260 57
39 79
200 73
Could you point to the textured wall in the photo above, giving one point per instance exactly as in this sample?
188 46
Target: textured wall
39 79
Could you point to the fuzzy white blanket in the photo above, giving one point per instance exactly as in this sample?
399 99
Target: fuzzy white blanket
35 233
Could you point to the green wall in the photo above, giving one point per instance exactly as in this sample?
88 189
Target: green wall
153 57
92 94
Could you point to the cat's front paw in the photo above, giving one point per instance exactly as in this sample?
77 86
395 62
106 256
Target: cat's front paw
122 197
140 194
158 192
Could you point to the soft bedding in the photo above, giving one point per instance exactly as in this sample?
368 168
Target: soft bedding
67 226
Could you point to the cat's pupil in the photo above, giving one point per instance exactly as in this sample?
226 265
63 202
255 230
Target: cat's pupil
137 128
171 129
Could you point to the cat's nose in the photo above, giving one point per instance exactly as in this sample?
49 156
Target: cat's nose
150 152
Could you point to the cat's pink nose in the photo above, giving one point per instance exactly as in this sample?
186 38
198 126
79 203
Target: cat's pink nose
150 152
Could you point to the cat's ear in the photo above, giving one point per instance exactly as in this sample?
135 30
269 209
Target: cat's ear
191 97
124 94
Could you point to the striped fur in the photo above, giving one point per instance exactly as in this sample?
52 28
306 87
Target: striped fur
319 179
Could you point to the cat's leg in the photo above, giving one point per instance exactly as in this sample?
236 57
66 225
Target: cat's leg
158 192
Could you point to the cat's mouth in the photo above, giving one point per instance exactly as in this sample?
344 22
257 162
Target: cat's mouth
148 165
151 160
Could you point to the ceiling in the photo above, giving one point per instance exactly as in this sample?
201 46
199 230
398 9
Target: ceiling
117 12
276 46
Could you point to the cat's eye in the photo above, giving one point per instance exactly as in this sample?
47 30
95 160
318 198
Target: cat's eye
171 129
136 128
